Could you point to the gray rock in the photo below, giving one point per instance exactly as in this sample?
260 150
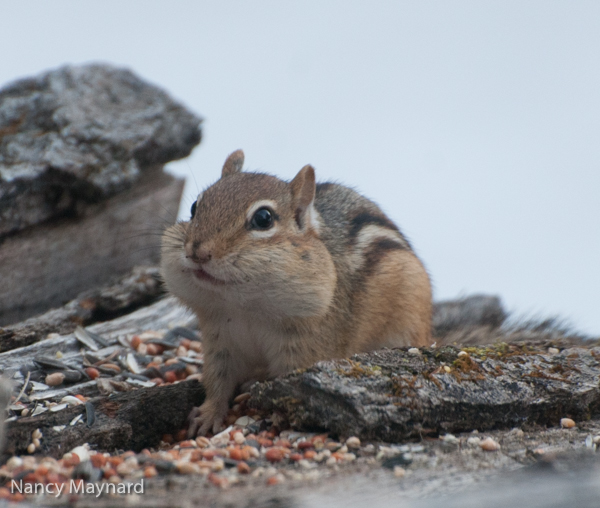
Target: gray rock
77 135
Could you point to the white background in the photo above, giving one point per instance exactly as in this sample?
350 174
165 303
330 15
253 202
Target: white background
475 125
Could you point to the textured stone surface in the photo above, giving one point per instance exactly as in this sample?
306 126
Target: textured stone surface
77 135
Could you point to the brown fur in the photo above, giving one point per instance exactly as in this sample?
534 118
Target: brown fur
333 276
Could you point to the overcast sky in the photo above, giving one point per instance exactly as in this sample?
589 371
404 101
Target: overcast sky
475 125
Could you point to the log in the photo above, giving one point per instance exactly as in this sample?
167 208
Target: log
82 185
393 395
125 421
139 288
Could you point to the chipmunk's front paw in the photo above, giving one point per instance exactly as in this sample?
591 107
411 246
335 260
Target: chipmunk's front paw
209 416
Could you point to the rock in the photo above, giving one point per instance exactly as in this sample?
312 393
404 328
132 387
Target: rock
80 134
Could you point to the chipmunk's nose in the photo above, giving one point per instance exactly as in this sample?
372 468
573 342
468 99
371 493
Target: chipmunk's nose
197 253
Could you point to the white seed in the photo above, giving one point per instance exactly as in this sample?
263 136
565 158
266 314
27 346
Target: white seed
553 350
489 445
188 468
414 351
36 434
14 463
239 438
72 401
353 442
447 369
244 421
331 461
25 412
474 441
82 452
567 423
31 448
463 353
399 471
36 442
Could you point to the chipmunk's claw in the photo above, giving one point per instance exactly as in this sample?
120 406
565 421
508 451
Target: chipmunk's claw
208 417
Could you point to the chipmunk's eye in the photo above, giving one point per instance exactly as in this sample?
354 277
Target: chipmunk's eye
262 219
193 210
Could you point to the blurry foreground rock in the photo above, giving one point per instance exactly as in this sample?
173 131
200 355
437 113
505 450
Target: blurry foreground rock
83 195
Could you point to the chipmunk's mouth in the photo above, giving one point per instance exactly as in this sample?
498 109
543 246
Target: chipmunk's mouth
203 275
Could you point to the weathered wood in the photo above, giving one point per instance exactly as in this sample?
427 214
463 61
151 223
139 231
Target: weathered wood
393 395
162 315
73 136
75 254
139 288
128 421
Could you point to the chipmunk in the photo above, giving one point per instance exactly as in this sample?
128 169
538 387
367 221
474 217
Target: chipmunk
282 275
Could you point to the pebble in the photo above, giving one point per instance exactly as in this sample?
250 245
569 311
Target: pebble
567 423
353 442
489 445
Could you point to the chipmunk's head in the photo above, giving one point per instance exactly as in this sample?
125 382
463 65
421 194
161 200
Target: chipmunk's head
252 241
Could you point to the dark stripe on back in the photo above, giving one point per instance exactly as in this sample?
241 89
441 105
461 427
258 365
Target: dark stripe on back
377 251
367 218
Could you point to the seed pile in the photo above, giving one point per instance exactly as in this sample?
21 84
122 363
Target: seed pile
148 359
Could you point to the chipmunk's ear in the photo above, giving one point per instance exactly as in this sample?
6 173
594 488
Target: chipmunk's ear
233 164
303 195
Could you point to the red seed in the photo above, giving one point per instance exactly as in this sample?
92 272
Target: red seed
150 471
273 480
305 445
170 376
135 341
92 372
274 454
152 349
243 468
235 454
109 472
296 457
185 343
181 435
98 460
